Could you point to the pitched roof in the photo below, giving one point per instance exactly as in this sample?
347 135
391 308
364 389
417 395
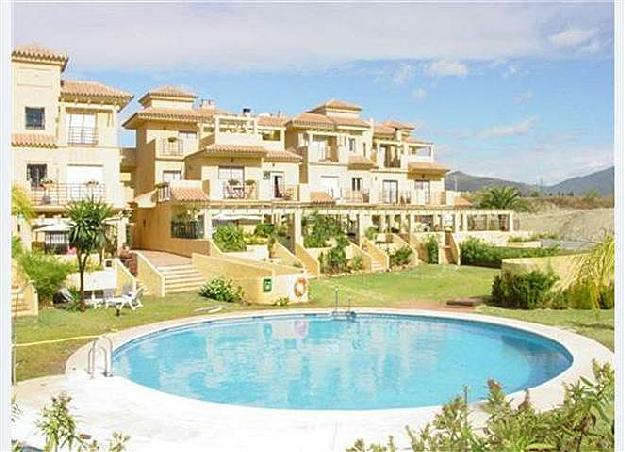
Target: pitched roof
36 140
349 122
379 129
313 120
230 150
272 121
414 140
320 197
170 91
169 114
92 89
36 53
427 168
393 123
359 161
337 104
282 156
460 201
187 194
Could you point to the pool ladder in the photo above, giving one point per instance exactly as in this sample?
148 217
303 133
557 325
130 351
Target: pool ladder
347 313
107 354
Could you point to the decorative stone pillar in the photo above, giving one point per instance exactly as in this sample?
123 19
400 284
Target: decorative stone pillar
297 228
208 224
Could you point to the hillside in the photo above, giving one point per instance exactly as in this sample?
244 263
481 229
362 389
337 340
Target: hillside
600 181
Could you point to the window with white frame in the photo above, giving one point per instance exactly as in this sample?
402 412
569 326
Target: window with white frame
81 128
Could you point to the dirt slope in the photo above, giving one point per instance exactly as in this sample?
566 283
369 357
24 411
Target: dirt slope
570 224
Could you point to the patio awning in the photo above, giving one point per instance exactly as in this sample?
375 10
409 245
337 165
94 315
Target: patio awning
56 227
231 217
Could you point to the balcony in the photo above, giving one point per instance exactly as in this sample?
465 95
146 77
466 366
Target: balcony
394 197
284 192
83 136
187 229
356 196
390 162
62 194
176 147
239 191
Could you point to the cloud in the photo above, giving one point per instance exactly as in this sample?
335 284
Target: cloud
444 68
520 128
523 97
573 37
301 37
510 70
419 93
404 73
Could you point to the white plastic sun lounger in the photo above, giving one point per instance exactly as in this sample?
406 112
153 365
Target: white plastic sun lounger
130 299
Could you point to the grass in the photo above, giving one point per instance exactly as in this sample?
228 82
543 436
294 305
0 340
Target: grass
426 285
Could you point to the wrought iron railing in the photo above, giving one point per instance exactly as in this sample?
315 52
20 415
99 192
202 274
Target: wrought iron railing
177 147
61 194
187 229
239 191
82 135
395 197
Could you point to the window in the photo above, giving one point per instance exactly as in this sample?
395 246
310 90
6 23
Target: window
364 149
422 187
234 173
356 184
81 128
389 191
35 173
170 175
352 144
35 118
183 135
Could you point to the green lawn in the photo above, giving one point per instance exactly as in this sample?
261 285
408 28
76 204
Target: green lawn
426 285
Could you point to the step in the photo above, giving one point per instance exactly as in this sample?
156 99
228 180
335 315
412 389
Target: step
175 276
174 268
181 284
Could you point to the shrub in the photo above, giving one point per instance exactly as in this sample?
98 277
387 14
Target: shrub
371 232
336 259
401 256
477 252
527 290
319 229
583 422
356 263
229 238
48 273
431 246
220 289
264 230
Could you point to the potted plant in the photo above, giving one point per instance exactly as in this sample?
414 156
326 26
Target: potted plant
234 182
92 183
46 182
172 139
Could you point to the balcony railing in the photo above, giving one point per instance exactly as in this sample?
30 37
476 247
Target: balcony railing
285 192
61 194
176 148
356 196
395 197
392 163
87 136
187 229
239 191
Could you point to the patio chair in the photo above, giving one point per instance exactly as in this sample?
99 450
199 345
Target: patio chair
132 299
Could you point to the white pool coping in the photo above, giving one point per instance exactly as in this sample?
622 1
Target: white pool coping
156 420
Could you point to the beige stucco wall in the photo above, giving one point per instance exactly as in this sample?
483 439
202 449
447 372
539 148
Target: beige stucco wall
563 266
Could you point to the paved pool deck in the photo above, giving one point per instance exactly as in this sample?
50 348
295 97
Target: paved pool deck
157 421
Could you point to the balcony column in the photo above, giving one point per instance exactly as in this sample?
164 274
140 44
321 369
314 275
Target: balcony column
510 221
121 226
297 228
410 223
382 223
208 224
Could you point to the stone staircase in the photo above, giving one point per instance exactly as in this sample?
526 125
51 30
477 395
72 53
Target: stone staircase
376 267
181 278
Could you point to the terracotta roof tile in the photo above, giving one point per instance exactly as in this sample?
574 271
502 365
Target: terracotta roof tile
397 125
272 121
427 168
170 114
359 161
320 197
414 140
379 129
282 156
229 150
349 122
312 120
84 88
460 201
37 140
188 194
34 52
338 104
170 91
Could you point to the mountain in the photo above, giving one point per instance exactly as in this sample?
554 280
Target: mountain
600 181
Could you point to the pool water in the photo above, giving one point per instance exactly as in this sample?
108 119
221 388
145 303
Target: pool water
368 361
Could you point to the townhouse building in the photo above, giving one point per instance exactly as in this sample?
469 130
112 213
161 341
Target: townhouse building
64 141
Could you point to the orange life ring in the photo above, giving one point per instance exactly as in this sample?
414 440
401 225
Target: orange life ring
301 287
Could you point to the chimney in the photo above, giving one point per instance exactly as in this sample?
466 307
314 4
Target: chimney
247 111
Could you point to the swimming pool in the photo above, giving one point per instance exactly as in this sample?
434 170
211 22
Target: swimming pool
323 362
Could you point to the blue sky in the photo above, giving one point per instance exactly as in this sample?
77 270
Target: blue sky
520 91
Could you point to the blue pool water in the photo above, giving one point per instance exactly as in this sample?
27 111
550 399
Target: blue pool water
372 361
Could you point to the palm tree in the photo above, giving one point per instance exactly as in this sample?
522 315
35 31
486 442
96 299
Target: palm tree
20 203
503 198
595 270
88 232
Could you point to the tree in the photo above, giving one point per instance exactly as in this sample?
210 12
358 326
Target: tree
20 203
88 232
503 198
